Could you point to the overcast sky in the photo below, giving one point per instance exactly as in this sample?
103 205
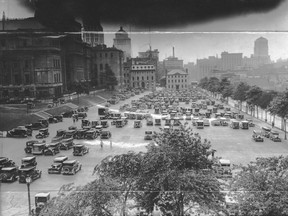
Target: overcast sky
190 42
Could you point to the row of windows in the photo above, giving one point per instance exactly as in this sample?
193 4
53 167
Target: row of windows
105 55
152 78
178 85
56 63
176 76
57 78
143 67
176 81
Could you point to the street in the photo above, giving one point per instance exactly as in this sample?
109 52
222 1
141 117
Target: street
236 145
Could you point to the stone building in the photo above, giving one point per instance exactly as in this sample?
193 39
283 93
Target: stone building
177 80
123 42
142 76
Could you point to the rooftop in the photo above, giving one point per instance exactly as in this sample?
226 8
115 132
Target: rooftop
177 72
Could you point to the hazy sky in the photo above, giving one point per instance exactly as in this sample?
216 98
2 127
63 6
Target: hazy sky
194 43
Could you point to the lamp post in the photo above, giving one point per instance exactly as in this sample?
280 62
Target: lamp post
28 181
285 119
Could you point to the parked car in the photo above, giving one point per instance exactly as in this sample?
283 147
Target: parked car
223 168
29 145
266 131
80 134
71 167
6 162
8 174
17 133
44 122
52 120
137 124
82 115
251 123
86 124
43 133
157 122
105 135
28 161
235 124
274 136
104 123
149 122
59 118
30 171
37 126
91 134
244 124
38 148
80 150
52 149
57 165
59 135
148 135
66 144
69 134
41 200
257 136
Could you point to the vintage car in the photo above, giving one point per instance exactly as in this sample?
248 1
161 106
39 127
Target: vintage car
223 168
166 128
251 123
82 115
98 129
105 135
72 127
91 134
137 124
240 116
149 122
188 116
52 149
28 161
265 131
120 123
18 132
6 162
80 150
244 125
157 122
59 135
194 120
8 174
167 122
71 167
44 122
274 136
104 123
66 144
29 145
69 134
41 200
148 135
31 172
257 136
215 122
38 148
95 123
176 121
199 124
52 120
80 134
59 118
56 167
86 124
37 126
235 124
206 122
43 133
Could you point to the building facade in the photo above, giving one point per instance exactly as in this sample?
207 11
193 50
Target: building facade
142 76
177 80
123 42
105 58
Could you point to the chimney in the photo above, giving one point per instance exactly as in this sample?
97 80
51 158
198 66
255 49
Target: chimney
173 53
3 21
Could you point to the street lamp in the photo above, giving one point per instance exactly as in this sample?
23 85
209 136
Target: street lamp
285 119
28 181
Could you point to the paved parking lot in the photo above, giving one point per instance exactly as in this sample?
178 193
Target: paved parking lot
233 144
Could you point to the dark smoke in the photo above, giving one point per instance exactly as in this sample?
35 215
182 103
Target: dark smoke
143 13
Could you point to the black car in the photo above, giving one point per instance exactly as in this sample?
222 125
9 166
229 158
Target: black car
17 132
59 118
57 165
52 149
8 174
66 144
28 162
91 134
37 126
80 150
29 145
29 172
105 135
6 162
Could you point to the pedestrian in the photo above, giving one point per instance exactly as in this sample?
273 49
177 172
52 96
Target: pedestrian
111 144
273 124
101 144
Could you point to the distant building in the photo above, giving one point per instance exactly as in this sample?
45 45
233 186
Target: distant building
230 61
142 76
105 57
177 80
172 63
261 47
92 34
191 69
123 42
204 67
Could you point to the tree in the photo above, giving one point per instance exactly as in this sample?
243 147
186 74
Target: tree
265 99
213 85
123 169
224 83
111 80
95 198
203 83
253 95
260 188
177 173
240 93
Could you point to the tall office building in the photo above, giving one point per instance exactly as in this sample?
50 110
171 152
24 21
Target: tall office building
261 47
123 42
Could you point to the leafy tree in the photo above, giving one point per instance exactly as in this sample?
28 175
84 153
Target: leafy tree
224 83
177 173
95 198
265 99
260 188
213 85
203 83
110 78
240 93
227 91
125 170
253 96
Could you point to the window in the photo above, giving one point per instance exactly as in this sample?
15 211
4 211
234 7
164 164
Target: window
27 78
106 55
137 78
100 55
111 55
133 80
168 86
101 66
171 86
185 80
172 81
142 78
147 77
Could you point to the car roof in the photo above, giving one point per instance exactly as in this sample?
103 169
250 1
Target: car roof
224 161
61 157
8 168
266 128
78 145
42 194
3 158
69 162
27 168
28 158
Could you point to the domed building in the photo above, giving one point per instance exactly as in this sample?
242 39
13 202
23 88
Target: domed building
123 42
